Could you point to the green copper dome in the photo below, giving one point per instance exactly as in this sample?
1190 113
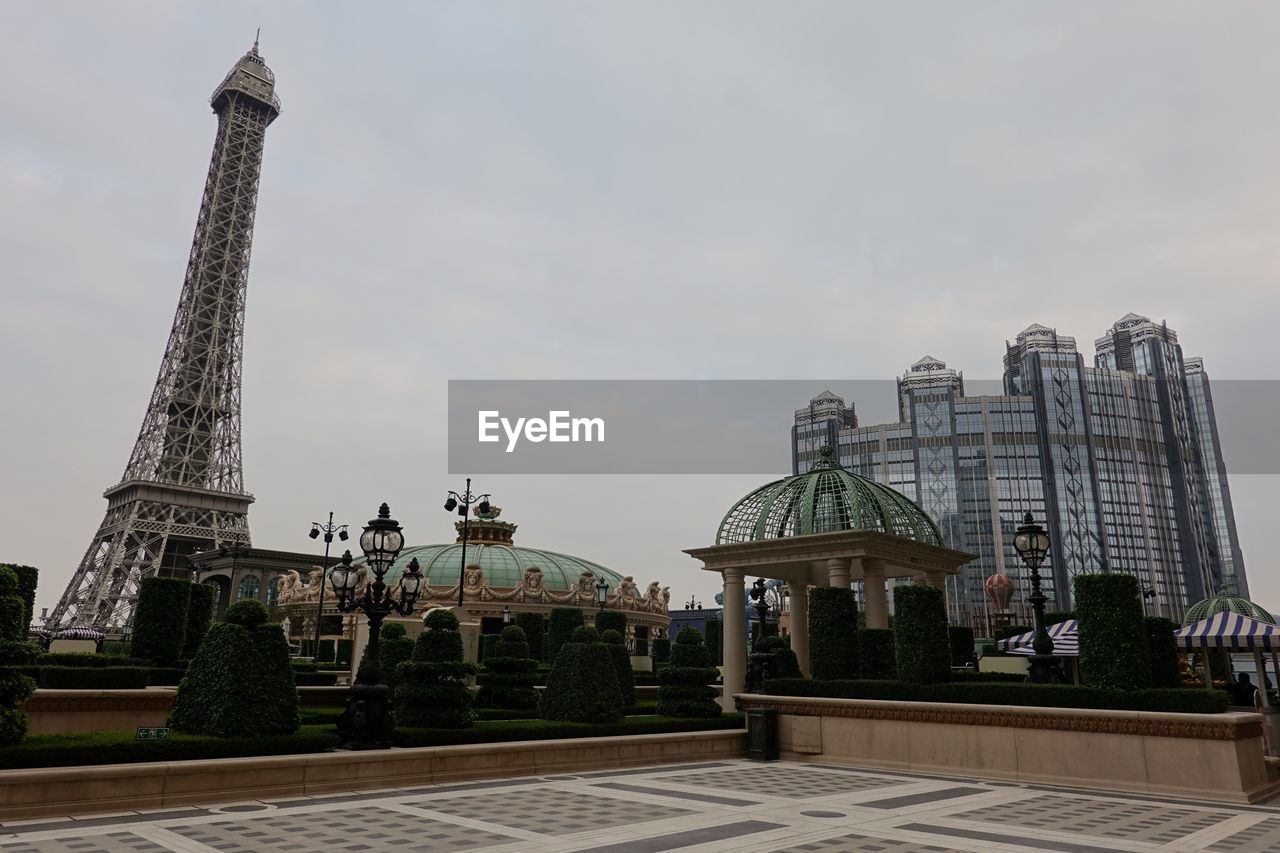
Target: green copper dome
1226 602
825 500
503 565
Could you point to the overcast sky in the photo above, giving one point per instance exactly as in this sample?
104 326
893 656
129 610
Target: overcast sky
609 190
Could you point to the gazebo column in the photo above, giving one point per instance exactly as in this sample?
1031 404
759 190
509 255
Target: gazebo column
838 572
877 603
735 637
799 591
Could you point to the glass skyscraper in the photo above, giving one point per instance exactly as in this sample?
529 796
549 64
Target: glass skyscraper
1121 460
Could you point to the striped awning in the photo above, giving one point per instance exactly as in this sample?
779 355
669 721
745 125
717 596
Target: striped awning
1227 630
1066 646
1063 633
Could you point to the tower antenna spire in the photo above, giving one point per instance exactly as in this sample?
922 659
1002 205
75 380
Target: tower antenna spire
256 35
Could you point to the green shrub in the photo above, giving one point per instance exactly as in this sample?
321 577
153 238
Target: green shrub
612 620
621 665
785 660
960 641
661 652
394 648
1182 700
715 641
199 617
342 654
241 682
582 686
833 635
15 652
327 651
560 627
534 627
1113 648
876 655
685 684
1162 652
160 619
28 578
93 678
920 634
432 685
488 646
84 660
498 731
508 683
73 750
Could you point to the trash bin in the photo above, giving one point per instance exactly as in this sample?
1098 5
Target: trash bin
762 734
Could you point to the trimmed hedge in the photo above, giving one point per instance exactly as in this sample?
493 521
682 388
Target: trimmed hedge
241 682
1162 651
876 656
833 632
920 634
488 646
560 627
661 651
611 620
160 620
73 750
394 648
28 579
788 665
685 689
583 684
1185 700
715 641
499 731
535 629
85 660
432 686
15 651
1113 651
199 617
94 678
960 641
621 665
508 682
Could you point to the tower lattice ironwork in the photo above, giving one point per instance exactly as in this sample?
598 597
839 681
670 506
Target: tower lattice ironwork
183 489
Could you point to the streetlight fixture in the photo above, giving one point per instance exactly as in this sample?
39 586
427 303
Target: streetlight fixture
327 530
506 615
602 592
462 503
693 604
366 722
1032 544
759 594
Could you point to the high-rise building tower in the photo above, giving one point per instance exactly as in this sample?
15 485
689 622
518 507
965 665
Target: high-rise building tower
183 489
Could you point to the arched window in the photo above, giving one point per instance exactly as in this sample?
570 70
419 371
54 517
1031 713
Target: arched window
273 592
248 588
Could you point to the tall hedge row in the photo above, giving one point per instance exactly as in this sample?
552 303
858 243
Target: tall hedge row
535 629
560 628
28 577
1113 647
15 651
960 640
199 617
1162 652
715 641
876 657
833 633
920 634
160 619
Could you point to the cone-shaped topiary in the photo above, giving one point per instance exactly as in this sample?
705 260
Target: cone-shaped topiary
240 683
510 674
535 629
583 685
14 651
621 665
787 664
560 627
685 689
394 648
432 687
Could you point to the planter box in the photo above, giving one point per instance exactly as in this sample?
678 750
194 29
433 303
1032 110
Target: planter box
1200 756
53 712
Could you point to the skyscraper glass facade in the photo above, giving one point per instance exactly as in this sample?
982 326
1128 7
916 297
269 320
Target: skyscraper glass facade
1121 460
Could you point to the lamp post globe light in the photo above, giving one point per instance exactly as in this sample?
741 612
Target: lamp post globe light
327 530
602 592
462 503
693 604
366 722
1032 544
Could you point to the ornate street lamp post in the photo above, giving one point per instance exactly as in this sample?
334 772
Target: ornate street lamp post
758 595
602 592
366 722
328 529
462 503
1032 544
693 604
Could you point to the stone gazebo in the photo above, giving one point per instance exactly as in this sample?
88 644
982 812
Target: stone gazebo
827 527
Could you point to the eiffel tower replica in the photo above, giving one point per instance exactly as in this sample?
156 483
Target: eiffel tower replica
183 489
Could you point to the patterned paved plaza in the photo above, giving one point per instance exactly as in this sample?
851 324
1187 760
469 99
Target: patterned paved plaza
729 805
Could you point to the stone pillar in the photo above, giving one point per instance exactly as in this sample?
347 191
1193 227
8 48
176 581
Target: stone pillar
735 637
800 623
838 572
877 603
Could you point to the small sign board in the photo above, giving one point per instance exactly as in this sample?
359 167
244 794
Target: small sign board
152 734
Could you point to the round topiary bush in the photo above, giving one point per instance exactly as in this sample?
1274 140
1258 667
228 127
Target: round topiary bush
582 686
14 651
160 621
920 634
685 684
431 688
511 673
240 683
621 665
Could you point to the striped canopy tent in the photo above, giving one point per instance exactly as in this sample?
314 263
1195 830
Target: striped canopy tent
1232 631
1065 636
